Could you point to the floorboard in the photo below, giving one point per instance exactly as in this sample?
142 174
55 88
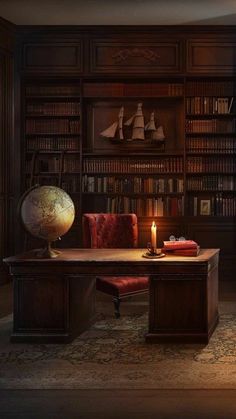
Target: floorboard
100 404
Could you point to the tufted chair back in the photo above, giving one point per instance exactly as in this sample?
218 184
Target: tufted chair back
110 231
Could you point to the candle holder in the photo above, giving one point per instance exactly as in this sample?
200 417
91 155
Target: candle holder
153 252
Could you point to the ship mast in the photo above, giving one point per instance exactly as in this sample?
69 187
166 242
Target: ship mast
120 123
137 120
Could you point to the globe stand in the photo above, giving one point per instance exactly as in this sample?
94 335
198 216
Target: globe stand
47 252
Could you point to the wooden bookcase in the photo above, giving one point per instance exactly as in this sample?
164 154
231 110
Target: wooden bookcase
145 175
74 84
210 147
52 134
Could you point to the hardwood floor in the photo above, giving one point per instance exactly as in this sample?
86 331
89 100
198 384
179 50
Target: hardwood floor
101 404
115 404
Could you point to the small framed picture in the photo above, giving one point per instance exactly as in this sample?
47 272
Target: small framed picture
205 207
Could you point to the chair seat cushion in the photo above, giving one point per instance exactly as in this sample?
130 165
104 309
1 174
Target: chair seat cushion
119 286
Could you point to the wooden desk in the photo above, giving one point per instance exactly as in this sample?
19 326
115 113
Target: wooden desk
54 299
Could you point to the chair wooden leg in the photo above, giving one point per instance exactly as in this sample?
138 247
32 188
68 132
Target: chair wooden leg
116 301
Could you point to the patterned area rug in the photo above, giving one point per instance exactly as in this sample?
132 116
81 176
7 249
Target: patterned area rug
113 354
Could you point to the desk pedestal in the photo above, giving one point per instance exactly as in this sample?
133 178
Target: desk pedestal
183 306
52 307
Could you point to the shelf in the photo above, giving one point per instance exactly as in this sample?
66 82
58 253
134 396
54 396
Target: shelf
210 115
135 153
52 151
44 174
67 98
153 194
133 173
52 173
32 116
210 153
210 134
210 191
221 173
50 134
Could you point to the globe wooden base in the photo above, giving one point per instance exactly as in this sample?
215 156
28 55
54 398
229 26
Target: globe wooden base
47 252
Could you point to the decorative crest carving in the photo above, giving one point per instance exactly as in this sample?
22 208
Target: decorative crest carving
123 54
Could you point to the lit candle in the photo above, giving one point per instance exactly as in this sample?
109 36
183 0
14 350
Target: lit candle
154 235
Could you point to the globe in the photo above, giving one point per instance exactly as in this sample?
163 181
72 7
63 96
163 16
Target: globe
46 212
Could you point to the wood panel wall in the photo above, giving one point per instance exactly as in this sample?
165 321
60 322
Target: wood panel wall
6 141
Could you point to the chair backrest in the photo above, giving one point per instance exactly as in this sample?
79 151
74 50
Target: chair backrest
110 231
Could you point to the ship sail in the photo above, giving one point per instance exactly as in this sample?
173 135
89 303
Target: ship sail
110 132
151 126
157 133
116 127
137 122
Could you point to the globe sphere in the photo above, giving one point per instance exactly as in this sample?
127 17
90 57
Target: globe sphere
47 212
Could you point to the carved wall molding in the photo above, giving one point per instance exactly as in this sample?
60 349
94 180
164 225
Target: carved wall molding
146 53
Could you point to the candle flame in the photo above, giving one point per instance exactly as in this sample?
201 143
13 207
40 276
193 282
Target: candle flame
153 224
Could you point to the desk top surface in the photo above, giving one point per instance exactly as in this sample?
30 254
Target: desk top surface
110 256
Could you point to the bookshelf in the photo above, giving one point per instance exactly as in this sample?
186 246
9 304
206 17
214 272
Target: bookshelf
136 184
142 175
210 148
52 132
188 173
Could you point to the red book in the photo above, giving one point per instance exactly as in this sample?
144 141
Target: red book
175 245
183 252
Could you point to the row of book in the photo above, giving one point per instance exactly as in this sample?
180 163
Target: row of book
71 184
52 90
198 105
213 182
193 88
211 145
196 164
210 125
43 164
216 205
210 88
53 108
129 165
52 126
52 143
150 207
71 164
132 89
113 184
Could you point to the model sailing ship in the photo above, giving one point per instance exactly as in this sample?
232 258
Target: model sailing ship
151 131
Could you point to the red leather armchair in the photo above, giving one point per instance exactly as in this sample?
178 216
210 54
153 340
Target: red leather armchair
114 231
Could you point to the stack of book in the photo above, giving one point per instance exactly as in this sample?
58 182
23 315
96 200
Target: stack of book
181 248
